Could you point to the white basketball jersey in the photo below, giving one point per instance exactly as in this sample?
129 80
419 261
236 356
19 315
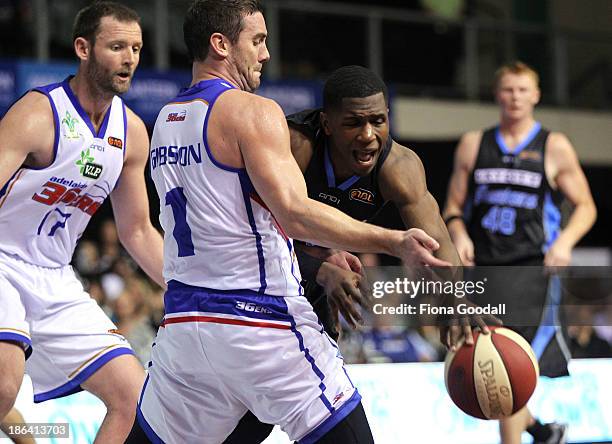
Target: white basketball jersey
43 212
218 232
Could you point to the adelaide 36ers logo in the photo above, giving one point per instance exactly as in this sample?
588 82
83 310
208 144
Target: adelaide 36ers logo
361 195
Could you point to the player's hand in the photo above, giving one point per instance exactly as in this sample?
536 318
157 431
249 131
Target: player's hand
558 255
456 327
417 247
465 248
344 260
345 290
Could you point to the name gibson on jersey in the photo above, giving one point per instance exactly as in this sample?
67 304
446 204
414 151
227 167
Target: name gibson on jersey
175 155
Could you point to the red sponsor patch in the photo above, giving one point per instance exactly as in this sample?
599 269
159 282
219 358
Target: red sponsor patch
117 143
176 117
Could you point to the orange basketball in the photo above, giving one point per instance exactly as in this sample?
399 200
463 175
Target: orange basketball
495 377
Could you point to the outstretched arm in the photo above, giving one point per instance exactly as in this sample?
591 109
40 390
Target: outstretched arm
131 204
402 181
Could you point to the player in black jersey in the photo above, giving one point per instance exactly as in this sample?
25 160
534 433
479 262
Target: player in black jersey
502 209
351 162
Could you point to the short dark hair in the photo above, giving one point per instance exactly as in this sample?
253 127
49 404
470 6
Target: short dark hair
350 82
205 17
88 19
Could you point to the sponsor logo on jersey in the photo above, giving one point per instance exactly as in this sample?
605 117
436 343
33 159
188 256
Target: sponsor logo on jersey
536 156
361 195
92 170
53 192
116 142
177 117
68 182
86 165
69 124
85 158
97 147
329 198
252 307
483 176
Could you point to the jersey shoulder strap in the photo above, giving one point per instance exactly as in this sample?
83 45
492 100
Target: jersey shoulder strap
307 122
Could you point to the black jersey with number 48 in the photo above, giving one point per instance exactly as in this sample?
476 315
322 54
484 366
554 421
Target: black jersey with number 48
512 212
357 196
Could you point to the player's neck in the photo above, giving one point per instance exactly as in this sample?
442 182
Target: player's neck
340 173
93 102
516 128
204 71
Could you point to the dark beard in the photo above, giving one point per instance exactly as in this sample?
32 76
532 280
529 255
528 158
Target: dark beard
102 79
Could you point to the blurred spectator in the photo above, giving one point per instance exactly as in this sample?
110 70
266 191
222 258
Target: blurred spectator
584 340
113 285
396 344
132 312
110 248
87 258
586 344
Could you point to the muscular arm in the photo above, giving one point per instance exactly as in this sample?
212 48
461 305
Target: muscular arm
465 158
26 135
263 138
131 204
563 164
402 181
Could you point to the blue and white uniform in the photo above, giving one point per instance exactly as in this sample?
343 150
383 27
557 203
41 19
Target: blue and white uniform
43 213
218 234
238 333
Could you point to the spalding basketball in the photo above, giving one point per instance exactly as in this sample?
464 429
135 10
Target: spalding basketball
495 377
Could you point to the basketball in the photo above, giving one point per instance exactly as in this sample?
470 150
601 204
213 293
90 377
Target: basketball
495 377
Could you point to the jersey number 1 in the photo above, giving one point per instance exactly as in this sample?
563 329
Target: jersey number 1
182 233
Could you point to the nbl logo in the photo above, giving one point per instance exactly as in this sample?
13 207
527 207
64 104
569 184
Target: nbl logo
115 142
361 195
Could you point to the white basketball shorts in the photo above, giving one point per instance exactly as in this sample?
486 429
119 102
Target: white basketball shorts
219 353
65 334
